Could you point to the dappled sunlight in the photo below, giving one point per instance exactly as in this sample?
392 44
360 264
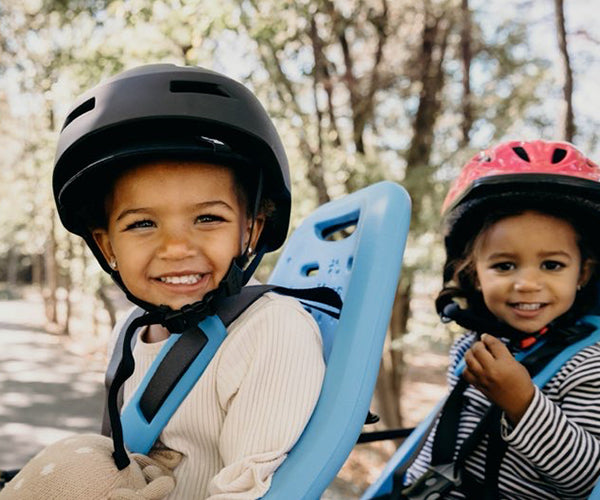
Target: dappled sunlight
29 434
19 400
46 392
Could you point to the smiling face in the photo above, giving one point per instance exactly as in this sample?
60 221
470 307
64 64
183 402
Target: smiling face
528 269
173 230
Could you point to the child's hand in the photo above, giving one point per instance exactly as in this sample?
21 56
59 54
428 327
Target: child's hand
493 370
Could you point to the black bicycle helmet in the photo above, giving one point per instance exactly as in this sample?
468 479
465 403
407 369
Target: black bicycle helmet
165 111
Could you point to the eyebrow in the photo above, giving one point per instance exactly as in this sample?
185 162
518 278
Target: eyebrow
197 206
546 254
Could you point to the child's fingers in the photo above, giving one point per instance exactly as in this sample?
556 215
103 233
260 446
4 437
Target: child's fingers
474 377
473 363
481 353
494 346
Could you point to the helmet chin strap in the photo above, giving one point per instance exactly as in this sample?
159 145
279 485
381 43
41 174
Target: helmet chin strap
176 321
518 339
238 274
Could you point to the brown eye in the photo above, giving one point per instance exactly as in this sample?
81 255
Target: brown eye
552 265
208 218
140 224
503 266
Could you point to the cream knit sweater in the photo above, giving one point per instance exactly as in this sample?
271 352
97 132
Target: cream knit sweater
249 407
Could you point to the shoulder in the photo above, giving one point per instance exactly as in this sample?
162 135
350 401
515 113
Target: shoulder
273 314
124 319
274 334
581 369
461 346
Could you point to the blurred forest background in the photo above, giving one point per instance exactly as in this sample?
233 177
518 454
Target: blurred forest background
361 90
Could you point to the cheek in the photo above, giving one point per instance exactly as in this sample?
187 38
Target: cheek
569 291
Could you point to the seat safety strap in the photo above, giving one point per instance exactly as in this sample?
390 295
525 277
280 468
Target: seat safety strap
444 444
171 377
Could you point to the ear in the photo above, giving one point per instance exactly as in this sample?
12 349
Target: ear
587 270
103 241
259 224
475 280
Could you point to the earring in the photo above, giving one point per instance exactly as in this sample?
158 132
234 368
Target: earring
250 250
578 288
113 263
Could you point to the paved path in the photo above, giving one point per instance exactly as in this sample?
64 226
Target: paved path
46 392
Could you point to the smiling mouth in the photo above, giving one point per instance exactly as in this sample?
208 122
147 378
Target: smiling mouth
187 279
523 306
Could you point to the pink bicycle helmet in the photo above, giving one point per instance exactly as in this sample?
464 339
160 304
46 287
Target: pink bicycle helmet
515 163
518 174
552 177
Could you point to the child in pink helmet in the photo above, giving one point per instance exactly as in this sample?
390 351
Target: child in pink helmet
521 272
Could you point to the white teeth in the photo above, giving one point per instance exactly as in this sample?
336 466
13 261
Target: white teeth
189 279
528 307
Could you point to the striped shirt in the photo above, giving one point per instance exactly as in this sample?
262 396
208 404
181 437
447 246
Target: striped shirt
554 450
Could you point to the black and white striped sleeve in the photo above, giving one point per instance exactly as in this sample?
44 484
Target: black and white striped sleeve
560 432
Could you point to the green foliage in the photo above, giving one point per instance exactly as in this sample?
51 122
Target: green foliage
344 81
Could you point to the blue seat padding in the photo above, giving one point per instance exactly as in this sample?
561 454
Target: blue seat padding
364 268
384 482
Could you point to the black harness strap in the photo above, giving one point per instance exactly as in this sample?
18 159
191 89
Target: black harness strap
443 448
124 370
444 442
170 370
113 364
189 345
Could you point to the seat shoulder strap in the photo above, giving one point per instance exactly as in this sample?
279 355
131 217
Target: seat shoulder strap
228 311
113 364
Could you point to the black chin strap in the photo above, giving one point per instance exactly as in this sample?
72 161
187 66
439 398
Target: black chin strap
123 372
478 323
175 321
563 327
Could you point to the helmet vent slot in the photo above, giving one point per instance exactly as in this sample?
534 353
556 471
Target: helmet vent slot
80 110
191 87
558 155
521 153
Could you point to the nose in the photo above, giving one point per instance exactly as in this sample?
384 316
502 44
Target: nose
175 244
528 280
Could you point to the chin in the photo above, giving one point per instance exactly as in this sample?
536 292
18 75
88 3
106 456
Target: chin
180 303
528 329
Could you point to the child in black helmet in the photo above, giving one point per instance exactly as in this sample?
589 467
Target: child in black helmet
178 181
521 271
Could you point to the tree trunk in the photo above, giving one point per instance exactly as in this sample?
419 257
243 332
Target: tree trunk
567 121
108 305
51 275
466 55
418 172
390 378
12 270
37 270
418 182
68 283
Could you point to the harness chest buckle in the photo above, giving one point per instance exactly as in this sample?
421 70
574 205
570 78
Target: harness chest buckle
434 483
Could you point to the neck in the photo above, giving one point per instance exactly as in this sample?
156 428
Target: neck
155 333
